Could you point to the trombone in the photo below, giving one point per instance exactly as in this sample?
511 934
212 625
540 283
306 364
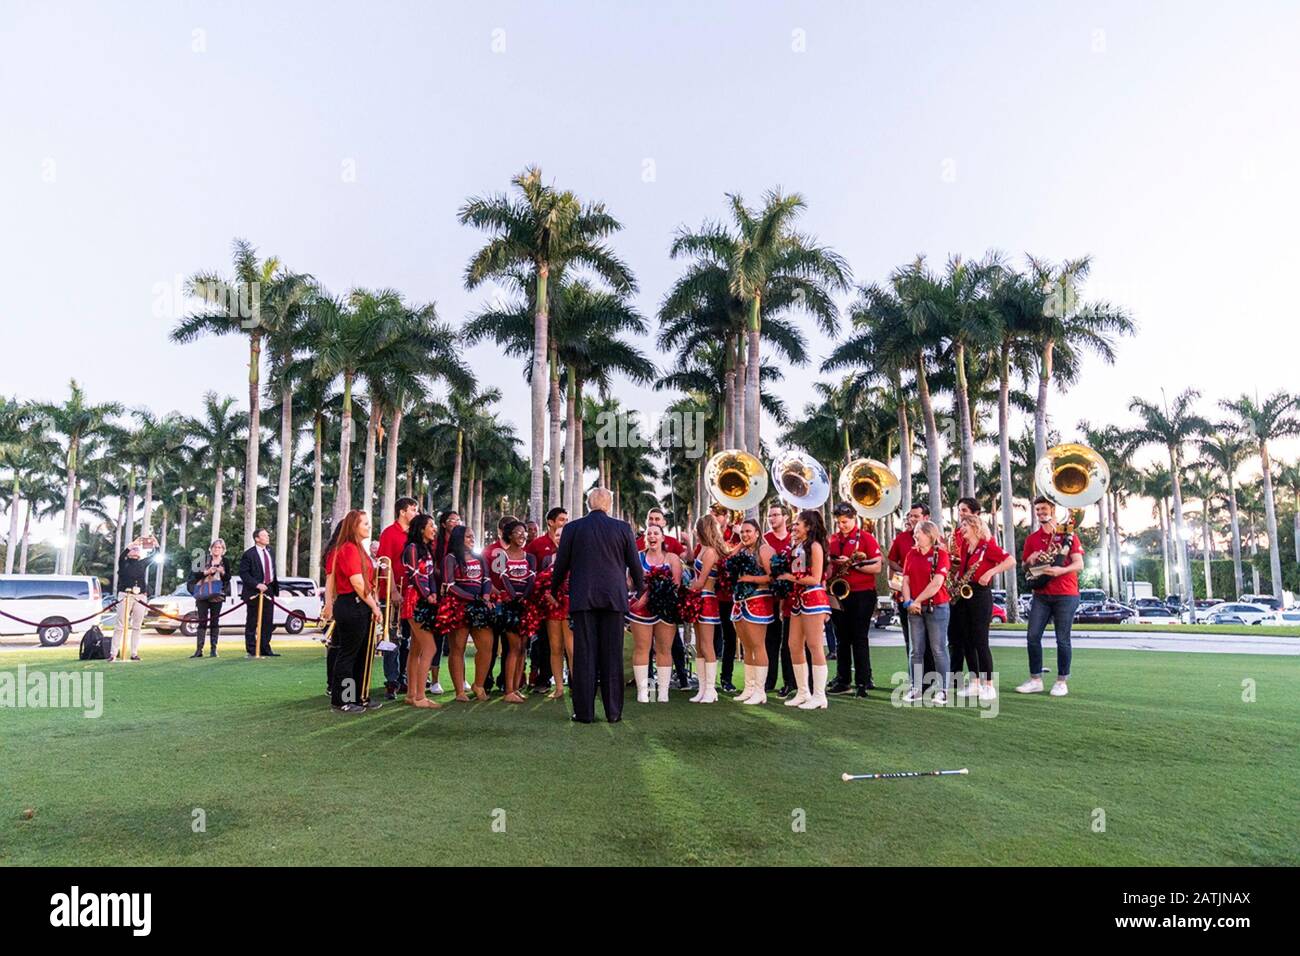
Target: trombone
384 567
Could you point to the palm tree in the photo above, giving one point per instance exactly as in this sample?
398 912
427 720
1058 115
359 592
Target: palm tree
1224 450
15 440
542 231
283 317
1065 327
1172 427
218 433
1202 485
154 441
77 422
1265 421
259 300
770 268
1289 478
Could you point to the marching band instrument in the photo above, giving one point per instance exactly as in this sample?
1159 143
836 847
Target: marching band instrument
736 478
801 481
870 487
839 583
384 567
1072 476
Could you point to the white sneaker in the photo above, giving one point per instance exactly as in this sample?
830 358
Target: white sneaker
468 687
911 697
1060 689
972 689
988 692
940 698
435 689
1032 686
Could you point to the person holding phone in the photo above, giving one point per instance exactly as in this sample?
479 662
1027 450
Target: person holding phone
133 579
210 584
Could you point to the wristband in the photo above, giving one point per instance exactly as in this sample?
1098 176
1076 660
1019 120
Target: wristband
907 604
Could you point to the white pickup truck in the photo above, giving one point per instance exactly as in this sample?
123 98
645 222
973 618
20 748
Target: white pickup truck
300 595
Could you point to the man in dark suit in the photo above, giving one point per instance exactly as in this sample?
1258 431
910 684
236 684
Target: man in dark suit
600 552
257 573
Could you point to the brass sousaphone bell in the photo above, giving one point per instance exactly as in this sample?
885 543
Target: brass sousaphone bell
1072 476
801 481
870 487
736 479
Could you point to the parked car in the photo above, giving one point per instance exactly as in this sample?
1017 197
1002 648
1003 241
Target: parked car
1236 612
1267 600
299 595
1204 606
1103 612
1287 618
1149 602
1092 596
53 602
999 614
1156 615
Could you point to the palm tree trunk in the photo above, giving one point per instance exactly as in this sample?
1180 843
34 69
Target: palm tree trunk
1237 577
580 470
1117 567
1270 519
389 511
1205 548
254 436
571 479
217 501
478 511
11 543
1180 540
297 543
162 553
27 537
967 429
1254 553
1103 544
1040 412
373 418
286 466
729 398
130 505
470 518
76 523
554 497
1004 473
456 469
117 540
343 496
146 519
905 446
752 367
932 463
1166 550
541 321
185 520
64 565
317 518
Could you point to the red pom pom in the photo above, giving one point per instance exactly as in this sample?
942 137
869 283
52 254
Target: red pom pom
690 605
451 615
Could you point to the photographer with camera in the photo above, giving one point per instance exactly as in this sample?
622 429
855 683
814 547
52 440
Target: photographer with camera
133 590
210 584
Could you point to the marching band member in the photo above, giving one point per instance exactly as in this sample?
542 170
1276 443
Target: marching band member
354 608
980 560
809 605
753 609
711 552
925 600
898 551
392 542
646 626
957 637
518 573
853 619
724 638
1055 602
419 604
446 521
559 633
777 639
327 607
464 579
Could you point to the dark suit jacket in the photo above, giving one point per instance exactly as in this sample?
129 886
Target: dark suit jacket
599 551
250 573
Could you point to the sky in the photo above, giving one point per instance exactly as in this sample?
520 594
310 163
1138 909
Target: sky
140 138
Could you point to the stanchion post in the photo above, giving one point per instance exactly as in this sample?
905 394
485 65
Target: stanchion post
257 641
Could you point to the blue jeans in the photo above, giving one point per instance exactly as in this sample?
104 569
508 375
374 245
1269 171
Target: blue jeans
1059 609
929 627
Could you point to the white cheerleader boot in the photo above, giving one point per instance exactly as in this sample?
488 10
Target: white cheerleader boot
642 674
801 682
749 685
710 687
818 699
663 673
701 667
760 687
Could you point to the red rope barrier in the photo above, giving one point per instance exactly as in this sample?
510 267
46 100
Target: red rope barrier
80 620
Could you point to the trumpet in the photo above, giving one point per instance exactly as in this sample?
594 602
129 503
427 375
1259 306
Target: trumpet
736 478
870 487
1073 476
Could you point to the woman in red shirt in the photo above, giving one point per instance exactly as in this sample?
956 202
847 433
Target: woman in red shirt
979 560
925 601
354 609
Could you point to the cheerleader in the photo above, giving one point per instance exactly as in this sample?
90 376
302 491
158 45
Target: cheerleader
753 608
513 574
446 521
355 608
464 580
712 552
925 599
420 604
559 633
809 605
647 627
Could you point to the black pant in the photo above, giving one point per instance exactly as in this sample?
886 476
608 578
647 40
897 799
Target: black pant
597 656
250 622
724 642
852 623
352 641
498 647
777 640
208 611
679 658
539 656
970 621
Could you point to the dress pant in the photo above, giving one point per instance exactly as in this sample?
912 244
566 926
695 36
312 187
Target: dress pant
597 656
852 624
268 619
970 621
957 641
539 657
777 641
208 612
724 642
352 640
498 645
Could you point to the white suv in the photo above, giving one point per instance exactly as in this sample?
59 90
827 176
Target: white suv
1236 612
58 605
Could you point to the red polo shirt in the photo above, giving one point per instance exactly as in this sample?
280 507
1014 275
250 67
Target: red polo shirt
903 542
918 568
349 560
391 544
846 545
778 545
1040 540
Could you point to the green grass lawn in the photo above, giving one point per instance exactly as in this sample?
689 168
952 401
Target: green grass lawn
1192 630
1184 771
